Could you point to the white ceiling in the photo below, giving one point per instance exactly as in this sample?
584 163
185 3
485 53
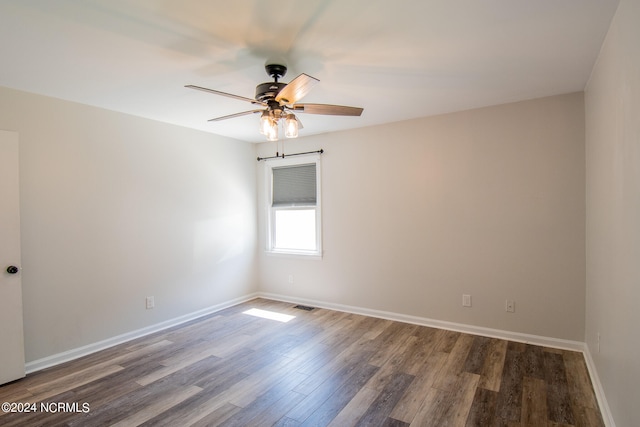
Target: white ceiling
397 60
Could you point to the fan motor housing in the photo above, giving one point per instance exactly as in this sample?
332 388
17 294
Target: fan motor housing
269 90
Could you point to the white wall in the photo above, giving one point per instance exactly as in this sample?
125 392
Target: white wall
613 214
116 208
488 202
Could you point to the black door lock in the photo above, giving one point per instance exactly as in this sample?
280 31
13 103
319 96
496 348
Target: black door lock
12 269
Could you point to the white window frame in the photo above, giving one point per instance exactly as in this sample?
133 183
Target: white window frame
270 164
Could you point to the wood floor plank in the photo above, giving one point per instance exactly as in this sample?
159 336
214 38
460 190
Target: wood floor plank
254 361
319 392
509 402
580 387
391 422
85 376
40 417
379 410
331 322
558 401
533 360
450 406
274 413
483 408
161 404
248 389
337 366
213 418
391 341
411 402
393 365
448 376
553 350
119 383
587 417
286 422
175 363
353 411
206 405
50 387
315 357
129 405
491 374
477 355
338 400
419 351
276 340
274 402
446 340
191 373
375 327
19 393
583 399
323 367
534 402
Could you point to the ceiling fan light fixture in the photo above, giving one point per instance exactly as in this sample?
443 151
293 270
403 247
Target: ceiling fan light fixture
291 126
272 132
265 122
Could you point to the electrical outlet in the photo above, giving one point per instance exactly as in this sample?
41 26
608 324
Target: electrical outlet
510 306
150 303
291 278
466 300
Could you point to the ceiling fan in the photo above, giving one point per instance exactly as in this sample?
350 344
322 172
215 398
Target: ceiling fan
279 101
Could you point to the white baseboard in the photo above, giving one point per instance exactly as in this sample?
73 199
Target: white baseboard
598 389
76 353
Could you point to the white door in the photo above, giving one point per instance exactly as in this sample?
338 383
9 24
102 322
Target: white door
11 335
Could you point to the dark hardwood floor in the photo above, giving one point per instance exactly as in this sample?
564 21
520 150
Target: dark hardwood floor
321 368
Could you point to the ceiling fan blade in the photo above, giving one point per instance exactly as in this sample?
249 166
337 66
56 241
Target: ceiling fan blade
231 116
230 95
296 89
331 110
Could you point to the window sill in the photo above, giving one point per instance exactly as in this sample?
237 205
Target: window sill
314 256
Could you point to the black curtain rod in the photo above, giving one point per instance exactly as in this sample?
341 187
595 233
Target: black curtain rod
282 156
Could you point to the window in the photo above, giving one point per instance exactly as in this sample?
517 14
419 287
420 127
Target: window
294 225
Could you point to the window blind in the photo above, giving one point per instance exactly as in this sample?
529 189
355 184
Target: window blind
294 185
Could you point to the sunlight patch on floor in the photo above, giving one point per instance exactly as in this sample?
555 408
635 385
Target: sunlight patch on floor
271 315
